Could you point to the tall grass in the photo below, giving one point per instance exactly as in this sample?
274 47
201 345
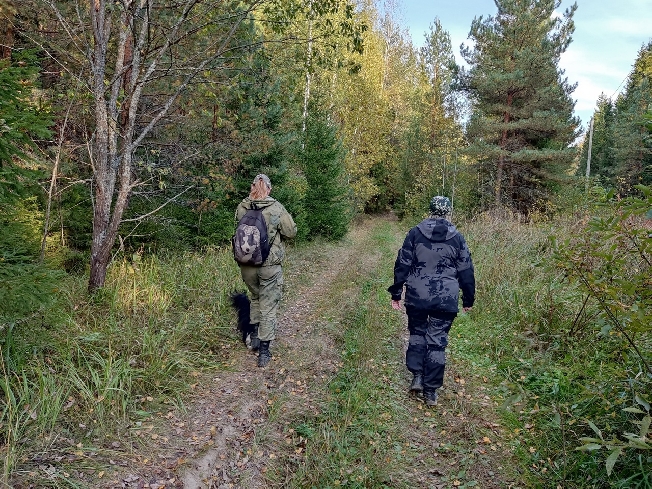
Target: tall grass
82 372
557 372
89 366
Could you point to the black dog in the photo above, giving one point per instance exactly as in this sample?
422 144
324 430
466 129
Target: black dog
242 305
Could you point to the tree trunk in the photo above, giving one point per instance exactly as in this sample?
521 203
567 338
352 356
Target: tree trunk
106 158
124 56
306 92
501 160
53 184
7 35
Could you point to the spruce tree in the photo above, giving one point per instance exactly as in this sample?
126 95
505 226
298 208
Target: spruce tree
632 142
603 160
322 161
522 121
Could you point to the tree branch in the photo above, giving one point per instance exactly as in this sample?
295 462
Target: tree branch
140 218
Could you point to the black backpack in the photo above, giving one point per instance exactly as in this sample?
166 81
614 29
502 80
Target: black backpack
250 243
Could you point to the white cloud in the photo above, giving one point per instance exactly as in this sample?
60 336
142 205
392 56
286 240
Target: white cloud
638 27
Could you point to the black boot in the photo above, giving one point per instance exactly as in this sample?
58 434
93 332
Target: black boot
264 356
430 398
417 383
254 342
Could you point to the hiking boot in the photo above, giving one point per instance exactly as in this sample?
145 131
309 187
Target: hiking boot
264 356
430 398
254 342
417 384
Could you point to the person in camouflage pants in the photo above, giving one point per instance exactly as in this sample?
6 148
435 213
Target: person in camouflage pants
266 282
433 265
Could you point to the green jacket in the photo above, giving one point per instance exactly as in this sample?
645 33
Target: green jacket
279 225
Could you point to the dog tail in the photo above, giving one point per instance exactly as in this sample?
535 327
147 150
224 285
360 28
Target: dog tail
242 305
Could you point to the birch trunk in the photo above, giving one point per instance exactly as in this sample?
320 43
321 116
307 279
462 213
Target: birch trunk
306 92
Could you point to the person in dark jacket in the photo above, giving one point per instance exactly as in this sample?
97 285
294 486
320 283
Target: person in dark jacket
433 265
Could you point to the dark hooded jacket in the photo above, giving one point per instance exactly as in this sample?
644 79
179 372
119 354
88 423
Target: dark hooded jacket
434 263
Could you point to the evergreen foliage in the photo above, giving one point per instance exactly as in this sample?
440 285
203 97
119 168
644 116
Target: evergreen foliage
25 284
522 122
438 61
322 163
603 161
633 148
621 153
23 115
431 161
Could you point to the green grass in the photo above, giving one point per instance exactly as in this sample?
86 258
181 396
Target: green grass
91 365
82 372
550 365
355 440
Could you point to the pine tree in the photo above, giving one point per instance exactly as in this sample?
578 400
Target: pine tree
21 117
439 63
522 122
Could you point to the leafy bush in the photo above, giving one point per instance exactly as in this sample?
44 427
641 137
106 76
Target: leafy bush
560 364
610 261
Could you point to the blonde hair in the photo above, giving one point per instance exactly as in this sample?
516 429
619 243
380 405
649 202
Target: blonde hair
260 188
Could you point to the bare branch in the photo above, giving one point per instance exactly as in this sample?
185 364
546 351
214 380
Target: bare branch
166 107
53 181
172 199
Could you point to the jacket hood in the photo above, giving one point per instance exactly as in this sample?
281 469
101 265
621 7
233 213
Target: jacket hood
259 204
437 229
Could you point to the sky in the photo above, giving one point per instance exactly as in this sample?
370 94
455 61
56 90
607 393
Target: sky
608 35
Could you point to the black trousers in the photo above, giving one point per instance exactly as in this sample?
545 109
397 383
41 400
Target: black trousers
426 352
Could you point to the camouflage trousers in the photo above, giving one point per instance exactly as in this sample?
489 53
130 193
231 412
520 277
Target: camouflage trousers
426 352
266 287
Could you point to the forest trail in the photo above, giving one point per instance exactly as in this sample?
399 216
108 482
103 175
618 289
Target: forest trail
239 429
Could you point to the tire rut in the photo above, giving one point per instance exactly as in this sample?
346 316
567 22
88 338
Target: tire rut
236 422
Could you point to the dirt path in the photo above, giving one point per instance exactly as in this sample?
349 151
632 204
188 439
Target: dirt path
245 435
239 422
231 430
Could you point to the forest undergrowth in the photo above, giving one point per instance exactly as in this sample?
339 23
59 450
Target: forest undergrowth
103 391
